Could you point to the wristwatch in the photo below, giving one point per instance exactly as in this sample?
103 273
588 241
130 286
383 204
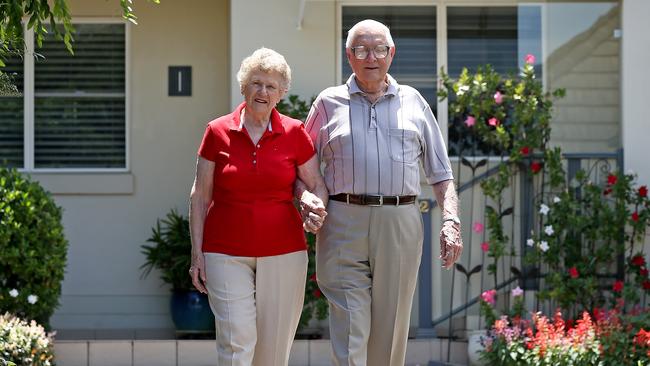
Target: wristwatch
455 219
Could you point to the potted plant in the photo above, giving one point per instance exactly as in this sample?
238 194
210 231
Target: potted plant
170 254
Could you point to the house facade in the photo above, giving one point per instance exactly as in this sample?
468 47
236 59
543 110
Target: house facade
106 134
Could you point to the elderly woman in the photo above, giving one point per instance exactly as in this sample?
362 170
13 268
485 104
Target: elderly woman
248 246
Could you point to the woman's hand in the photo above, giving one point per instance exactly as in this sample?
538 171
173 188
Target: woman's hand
312 205
197 272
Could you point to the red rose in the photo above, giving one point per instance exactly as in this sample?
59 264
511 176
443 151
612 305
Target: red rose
607 191
524 150
611 179
646 285
618 286
313 277
573 272
638 260
317 293
635 217
535 167
643 272
643 191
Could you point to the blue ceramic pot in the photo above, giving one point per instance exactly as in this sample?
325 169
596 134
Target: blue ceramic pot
191 311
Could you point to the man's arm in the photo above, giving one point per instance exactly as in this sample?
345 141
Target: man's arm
451 242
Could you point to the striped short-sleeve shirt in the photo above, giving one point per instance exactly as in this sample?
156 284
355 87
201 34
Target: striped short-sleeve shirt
376 148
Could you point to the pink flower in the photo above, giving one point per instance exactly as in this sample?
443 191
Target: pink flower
498 97
493 122
488 296
470 121
530 59
478 227
517 291
485 246
573 272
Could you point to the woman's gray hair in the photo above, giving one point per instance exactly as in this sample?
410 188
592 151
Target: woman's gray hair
266 60
372 24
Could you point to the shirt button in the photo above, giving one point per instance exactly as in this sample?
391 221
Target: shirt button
254 153
258 145
254 161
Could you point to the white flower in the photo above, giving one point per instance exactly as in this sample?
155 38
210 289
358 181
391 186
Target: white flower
530 242
556 199
32 299
549 230
543 246
462 89
543 209
13 293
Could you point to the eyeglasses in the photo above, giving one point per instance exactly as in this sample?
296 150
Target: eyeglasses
361 52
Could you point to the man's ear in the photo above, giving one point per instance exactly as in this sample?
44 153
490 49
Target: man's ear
348 54
392 52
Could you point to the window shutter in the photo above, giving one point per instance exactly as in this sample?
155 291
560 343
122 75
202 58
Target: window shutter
11 118
79 117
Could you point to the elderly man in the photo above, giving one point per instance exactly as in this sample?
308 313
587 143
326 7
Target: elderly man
370 135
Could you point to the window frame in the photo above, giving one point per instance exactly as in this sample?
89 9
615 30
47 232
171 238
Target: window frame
29 99
442 115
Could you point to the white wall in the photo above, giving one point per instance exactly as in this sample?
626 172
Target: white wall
310 51
634 86
636 80
108 216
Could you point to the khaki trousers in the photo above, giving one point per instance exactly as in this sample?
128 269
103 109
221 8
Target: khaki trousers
367 261
257 304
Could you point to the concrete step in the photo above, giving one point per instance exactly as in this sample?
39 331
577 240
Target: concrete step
420 352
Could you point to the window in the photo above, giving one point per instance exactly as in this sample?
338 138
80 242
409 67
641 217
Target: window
413 29
485 35
78 118
11 119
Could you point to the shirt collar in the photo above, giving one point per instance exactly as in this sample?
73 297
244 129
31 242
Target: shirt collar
237 124
354 87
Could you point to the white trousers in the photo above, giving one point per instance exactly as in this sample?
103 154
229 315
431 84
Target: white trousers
367 260
257 302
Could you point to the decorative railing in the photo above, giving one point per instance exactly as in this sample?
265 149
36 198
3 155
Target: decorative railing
520 217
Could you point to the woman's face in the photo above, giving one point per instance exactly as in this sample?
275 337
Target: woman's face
263 91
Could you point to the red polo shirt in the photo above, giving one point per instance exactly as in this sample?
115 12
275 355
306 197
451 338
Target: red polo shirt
252 212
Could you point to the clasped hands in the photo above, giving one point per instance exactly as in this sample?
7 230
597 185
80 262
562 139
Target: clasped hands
312 211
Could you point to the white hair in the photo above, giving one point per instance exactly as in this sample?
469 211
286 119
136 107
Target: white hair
266 60
369 24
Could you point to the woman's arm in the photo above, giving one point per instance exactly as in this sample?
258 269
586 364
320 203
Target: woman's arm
316 194
200 198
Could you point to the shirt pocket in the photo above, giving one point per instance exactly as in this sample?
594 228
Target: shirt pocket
404 145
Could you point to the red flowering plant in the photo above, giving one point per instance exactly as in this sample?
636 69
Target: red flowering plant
510 117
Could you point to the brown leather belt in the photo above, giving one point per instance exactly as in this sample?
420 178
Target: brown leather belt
369 200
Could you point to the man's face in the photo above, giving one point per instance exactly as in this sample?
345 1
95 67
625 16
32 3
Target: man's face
370 69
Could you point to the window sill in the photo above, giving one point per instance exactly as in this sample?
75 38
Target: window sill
86 183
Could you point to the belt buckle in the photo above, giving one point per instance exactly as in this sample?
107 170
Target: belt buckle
381 202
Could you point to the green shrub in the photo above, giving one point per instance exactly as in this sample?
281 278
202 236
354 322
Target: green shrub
33 248
24 343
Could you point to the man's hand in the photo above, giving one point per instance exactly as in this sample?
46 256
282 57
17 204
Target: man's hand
312 211
451 243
